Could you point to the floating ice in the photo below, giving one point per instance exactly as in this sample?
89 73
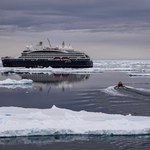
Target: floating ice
16 121
25 70
10 83
99 66
50 70
14 82
133 74
123 65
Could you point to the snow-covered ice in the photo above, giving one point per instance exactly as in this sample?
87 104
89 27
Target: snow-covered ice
14 82
11 83
15 121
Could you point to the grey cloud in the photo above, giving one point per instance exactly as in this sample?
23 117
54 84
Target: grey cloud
96 15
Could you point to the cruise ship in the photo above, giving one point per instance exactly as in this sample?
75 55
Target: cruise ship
56 57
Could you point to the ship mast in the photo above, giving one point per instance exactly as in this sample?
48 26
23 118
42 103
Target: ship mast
49 43
63 44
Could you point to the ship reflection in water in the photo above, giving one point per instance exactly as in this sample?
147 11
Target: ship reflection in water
62 81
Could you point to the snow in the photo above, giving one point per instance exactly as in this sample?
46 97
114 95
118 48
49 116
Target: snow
11 83
15 121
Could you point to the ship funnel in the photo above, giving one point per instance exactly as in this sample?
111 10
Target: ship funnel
41 43
39 46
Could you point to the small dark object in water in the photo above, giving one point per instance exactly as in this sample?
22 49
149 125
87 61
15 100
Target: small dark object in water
119 85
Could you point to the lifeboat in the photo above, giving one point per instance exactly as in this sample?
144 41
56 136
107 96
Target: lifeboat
65 58
57 58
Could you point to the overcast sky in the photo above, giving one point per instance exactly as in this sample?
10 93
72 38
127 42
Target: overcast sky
105 29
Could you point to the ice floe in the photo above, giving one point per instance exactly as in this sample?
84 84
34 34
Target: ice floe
123 65
11 83
139 74
14 82
15 121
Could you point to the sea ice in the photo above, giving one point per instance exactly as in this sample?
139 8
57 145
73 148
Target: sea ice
139 74
15 121
14 82
11 83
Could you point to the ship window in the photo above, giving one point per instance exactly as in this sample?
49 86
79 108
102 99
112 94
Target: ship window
26 51
46 52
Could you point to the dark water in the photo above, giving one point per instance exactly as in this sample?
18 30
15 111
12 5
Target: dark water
79 92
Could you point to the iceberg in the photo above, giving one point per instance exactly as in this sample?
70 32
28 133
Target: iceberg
16 121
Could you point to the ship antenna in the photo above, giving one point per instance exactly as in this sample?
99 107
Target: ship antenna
63 44
49 43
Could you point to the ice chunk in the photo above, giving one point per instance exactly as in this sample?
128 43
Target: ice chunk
15 121
15 82
11 83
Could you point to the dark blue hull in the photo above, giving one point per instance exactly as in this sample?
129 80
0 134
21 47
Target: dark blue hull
35 63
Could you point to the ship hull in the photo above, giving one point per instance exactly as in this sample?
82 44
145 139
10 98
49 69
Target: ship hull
36 63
